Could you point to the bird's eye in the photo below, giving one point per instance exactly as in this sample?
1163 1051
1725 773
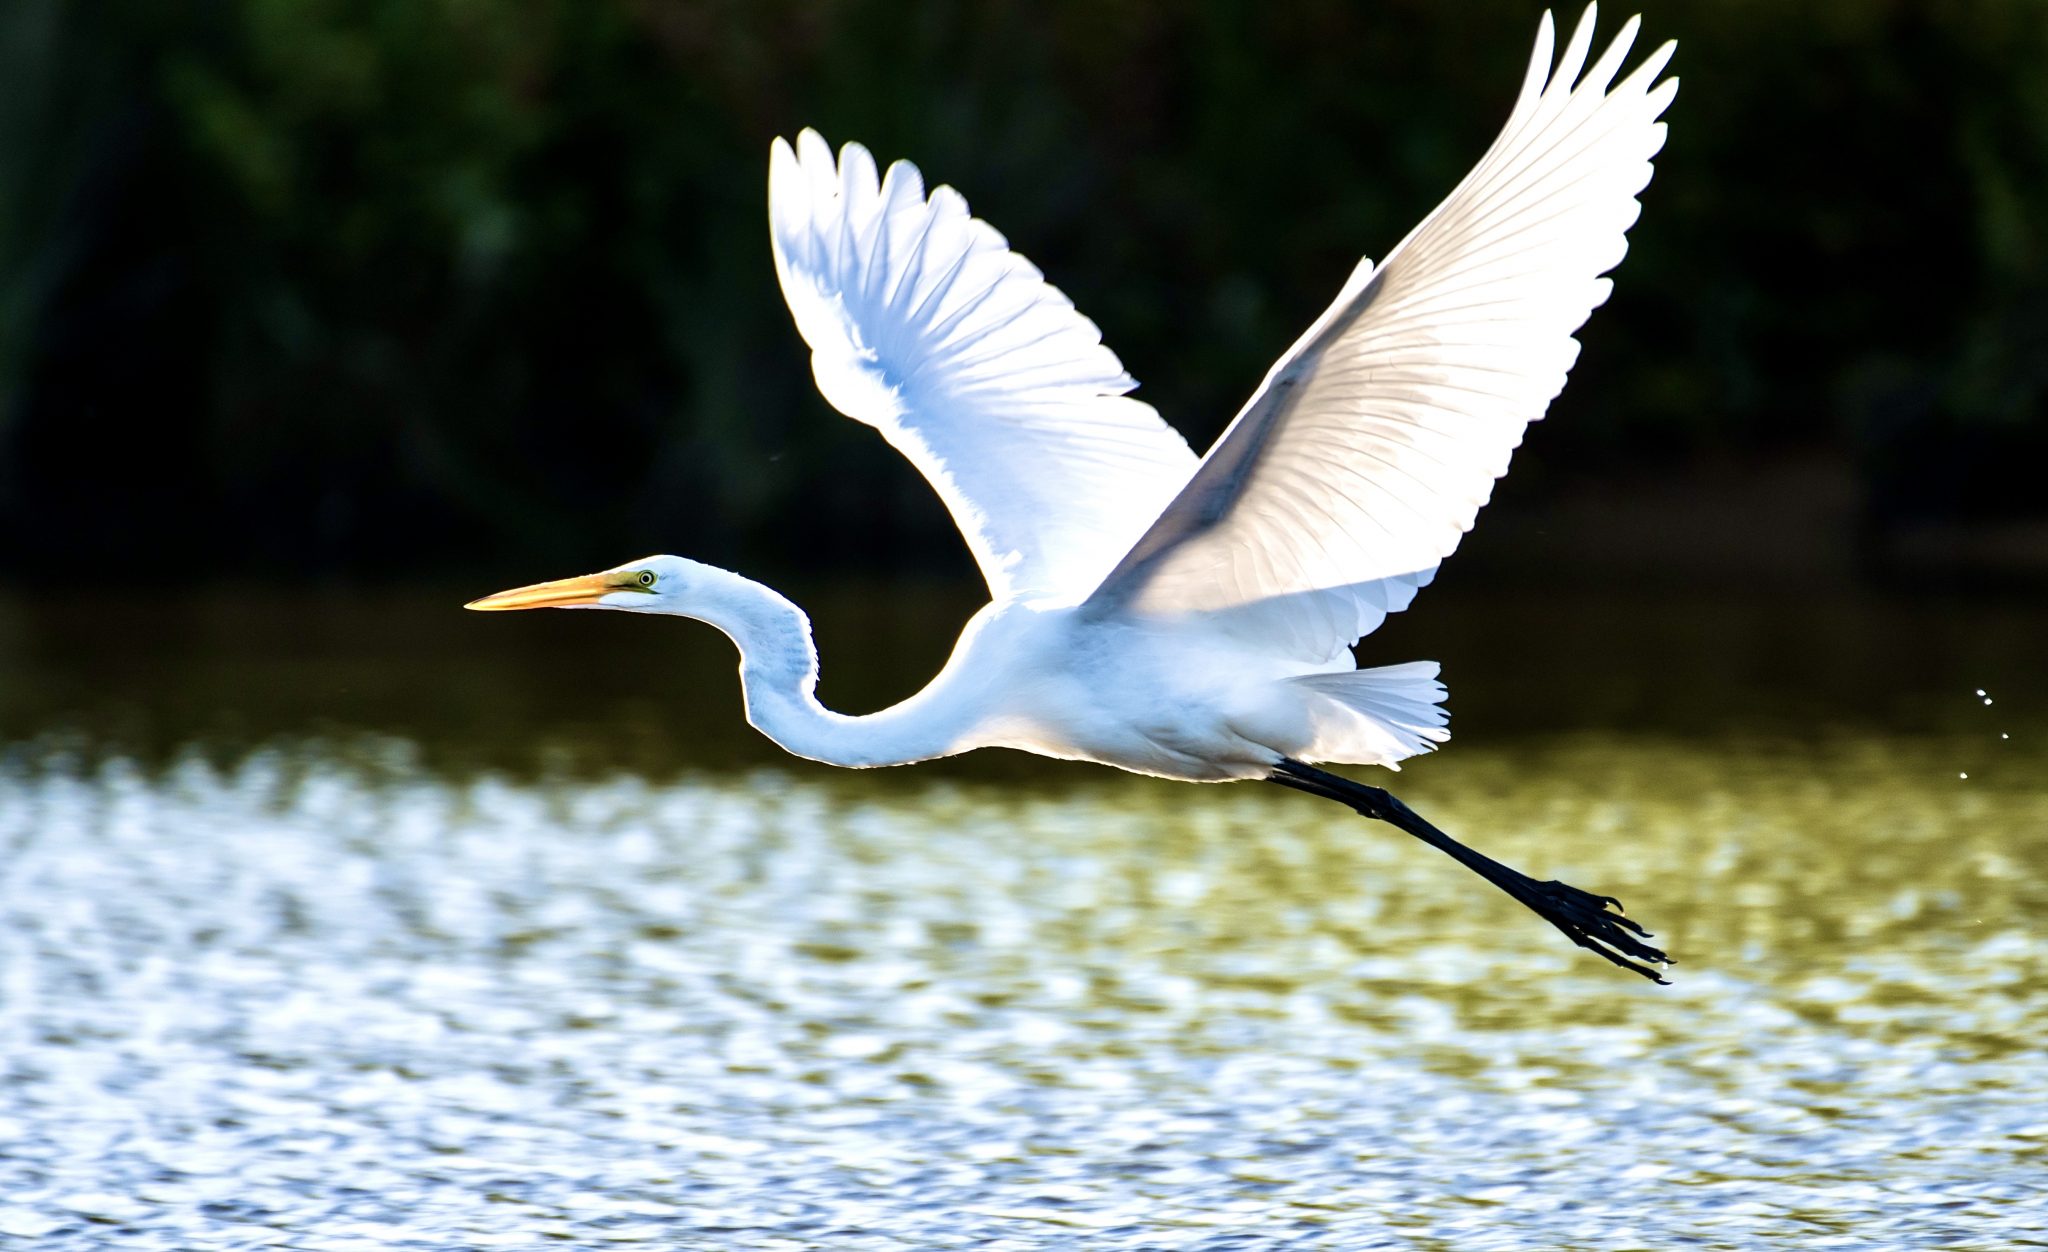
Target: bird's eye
647 578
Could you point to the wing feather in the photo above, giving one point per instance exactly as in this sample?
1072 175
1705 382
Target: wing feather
923 324
1371 445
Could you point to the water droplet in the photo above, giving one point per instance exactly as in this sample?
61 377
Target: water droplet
1962 775
2003 735
1980 691
1987 699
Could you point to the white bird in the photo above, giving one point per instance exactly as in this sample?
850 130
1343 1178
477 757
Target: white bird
1190 620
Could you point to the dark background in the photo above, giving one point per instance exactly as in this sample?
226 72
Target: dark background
418 290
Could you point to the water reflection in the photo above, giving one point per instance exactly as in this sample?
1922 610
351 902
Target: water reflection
593 692
326 991
271 977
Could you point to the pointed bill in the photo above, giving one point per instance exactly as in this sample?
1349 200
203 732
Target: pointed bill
563 593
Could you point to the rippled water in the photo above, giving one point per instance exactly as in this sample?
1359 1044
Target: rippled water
325 992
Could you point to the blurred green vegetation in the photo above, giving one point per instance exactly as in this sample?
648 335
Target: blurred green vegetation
376 287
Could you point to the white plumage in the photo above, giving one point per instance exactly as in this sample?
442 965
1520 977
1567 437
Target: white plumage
1190 620
923 324
1371 445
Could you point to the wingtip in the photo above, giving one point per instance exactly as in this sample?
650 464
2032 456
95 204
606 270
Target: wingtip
1573 59
902 183
1655 62
857 177
1589 19
812 150
1540 60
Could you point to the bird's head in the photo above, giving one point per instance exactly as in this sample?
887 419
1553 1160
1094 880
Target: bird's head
655 584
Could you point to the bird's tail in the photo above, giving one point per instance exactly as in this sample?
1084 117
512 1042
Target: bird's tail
1376 716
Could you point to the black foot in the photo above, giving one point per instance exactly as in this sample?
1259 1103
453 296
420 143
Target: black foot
1585 918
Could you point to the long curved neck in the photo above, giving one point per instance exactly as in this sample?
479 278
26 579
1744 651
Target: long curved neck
779 677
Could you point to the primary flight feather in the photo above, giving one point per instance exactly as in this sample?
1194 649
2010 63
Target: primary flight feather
923 324
1189 619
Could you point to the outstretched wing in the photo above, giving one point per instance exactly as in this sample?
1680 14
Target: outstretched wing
1370 447
923 324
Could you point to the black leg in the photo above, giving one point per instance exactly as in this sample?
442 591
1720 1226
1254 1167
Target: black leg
1581 915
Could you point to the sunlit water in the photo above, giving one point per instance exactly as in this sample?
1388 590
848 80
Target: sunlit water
325 991
324 999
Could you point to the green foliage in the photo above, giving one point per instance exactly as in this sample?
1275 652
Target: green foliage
427 283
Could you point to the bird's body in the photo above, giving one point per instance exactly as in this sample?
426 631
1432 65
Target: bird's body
1054 680
1188 619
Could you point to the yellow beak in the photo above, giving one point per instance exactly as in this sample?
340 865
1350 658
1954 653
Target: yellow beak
562 593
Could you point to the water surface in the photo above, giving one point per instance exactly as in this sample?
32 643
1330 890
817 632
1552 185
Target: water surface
492 952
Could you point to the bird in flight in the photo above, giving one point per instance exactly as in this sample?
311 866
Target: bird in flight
1190 619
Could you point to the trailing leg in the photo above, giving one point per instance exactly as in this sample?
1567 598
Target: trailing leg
1584 917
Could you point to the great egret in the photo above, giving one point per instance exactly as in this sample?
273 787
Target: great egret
1190 620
